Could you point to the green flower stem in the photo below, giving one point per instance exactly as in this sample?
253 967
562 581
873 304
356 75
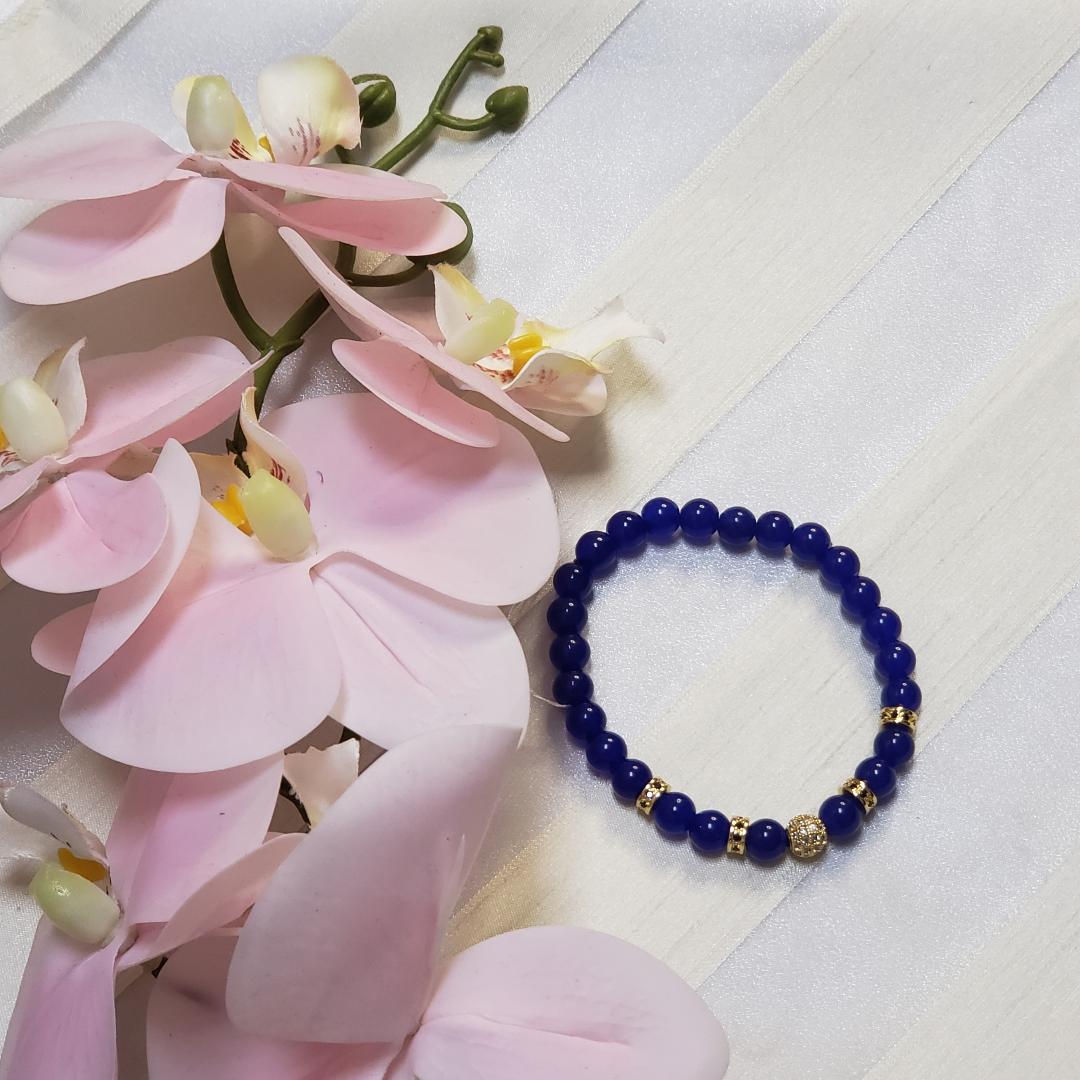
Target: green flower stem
461 123
230 293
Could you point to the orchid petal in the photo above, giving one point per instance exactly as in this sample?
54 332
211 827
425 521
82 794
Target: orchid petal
404 381
84 248
428 505
32 809
418 660
308 106
332 181
217 473
561 383
56 645
60 376
87 531
333 952
457 299
367 320
612 324
265 450
216 122
14 485
555 1001
85 161
321 777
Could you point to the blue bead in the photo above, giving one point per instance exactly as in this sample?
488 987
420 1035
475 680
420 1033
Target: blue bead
882 626
571 687
566 615
673 813
709 831
573 580
569 652
878 775
904 692
766 840
585 721
809 542
737 526
895 662
627 529
839 565
605 750
774 531
895 745
860 596
629 777
698 519
842 816
597 551
661 517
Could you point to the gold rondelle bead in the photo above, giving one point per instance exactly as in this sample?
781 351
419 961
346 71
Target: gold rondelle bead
651 792
806 836
736 841
897 714
861 790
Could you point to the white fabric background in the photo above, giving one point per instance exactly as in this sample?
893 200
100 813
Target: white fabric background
908 954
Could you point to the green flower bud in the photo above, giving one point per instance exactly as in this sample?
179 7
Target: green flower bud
492 37
508 105
377 102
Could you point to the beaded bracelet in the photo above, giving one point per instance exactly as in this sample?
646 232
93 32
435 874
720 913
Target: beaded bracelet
765 840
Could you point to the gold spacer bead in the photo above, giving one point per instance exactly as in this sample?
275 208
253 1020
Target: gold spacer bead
650 793
736 841
861 790
897 714
807 836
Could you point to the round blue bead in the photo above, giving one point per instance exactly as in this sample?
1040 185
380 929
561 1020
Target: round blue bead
569 652
597 551
627 529
774 531
895 745
809 542
895 662
842 816
573 580
860 596
737 526
673 813
661 517
571 687
904 692
698 519
839 565
878 775
766 840
882 626
605 750
629 777
709 831
566 615
585 721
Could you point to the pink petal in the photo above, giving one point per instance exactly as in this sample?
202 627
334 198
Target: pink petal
172 834
56 645
189 1035
331 181
429 505
402 227
414 660
64 1023
235 662
368 320
180 390
555 1001
85 248
87 531
342 945
404 381
85 161
14 485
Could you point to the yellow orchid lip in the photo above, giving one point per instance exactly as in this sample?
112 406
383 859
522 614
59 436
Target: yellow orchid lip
523 348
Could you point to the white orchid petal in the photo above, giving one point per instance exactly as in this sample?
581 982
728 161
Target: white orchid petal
558 382
457 299
31 808
321 777
595 335
308 106
266 451
60 376
217 473
216 122
30 421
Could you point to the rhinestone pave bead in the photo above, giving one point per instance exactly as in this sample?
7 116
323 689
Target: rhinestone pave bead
806 836
652 791
897 714
736 843
861 790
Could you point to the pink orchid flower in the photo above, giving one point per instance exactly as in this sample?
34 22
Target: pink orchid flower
185 856
485 346
66 525
374 601
336 972
134 208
